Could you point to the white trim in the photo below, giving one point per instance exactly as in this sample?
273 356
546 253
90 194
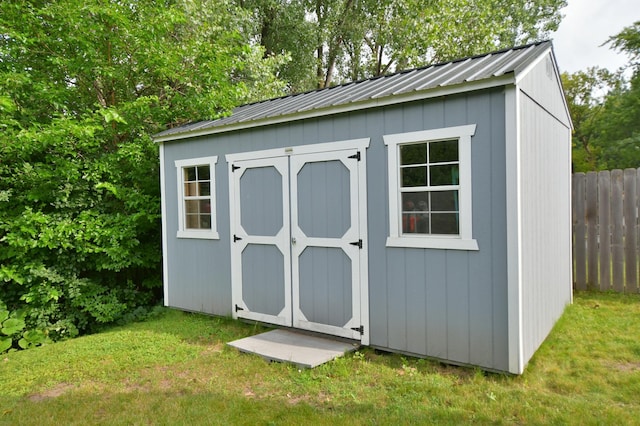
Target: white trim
303 241
432 242
236 265
463 241
514 252
354 106
281 240
163 210
202 234
569 217
275 157
208 234
361 144
364 252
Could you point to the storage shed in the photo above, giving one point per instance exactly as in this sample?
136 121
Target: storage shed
425 212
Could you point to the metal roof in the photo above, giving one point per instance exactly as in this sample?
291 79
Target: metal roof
450 77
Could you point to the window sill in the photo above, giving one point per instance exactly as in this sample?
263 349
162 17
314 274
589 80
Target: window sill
201 235
433 243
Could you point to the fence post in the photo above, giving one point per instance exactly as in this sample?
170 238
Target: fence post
579 251
617 231
604 229
591 218
630 203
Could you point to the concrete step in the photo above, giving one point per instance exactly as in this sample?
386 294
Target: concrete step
303 350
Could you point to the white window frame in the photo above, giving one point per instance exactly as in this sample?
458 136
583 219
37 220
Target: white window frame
183 232
462 241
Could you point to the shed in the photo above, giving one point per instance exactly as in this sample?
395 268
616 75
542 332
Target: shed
425 212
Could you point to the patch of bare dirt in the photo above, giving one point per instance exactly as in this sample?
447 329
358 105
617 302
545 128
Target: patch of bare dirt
626 367
56 391
213 349
293 400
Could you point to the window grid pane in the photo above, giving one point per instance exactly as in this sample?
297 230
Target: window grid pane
429 186
430 212
197 197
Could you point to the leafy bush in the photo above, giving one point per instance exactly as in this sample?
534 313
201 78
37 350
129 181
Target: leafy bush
80 228
13 331
82 85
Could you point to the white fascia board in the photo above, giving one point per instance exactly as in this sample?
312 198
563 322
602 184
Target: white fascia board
356 106
514 232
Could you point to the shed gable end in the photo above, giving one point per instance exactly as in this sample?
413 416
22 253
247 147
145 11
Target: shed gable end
542 83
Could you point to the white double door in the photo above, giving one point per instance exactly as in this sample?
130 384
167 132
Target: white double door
297 248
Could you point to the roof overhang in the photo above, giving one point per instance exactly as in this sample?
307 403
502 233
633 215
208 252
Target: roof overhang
488 83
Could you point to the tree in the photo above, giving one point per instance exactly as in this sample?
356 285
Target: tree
355 39
83 83
585 92
620 126
627 41
605 109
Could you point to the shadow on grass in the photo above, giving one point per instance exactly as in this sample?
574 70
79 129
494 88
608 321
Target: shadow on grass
202 329
179 406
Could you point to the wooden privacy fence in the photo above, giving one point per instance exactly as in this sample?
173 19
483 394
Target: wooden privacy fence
606 240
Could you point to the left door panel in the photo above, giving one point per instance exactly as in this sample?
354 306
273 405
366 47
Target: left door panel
260 248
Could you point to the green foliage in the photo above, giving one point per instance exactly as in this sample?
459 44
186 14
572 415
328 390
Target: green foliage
13 331
605 109
627 41
83 84
336 40
585 92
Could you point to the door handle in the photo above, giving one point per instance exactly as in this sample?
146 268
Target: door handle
293 240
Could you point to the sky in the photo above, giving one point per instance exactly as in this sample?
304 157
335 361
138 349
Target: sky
585 26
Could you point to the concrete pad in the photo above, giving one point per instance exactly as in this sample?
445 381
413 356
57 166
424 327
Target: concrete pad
304 350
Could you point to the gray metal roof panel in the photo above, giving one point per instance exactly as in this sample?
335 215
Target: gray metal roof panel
374 87
476 68
423 75
384 84
324 97
439 79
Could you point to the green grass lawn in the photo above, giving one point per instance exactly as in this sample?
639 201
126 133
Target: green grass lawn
176 369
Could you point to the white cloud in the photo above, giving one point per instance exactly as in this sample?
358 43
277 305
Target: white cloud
586 25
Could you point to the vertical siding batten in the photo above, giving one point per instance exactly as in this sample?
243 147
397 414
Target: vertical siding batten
499 254
482 316
458 280
377 178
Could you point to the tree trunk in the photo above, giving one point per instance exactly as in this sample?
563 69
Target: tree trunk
320 50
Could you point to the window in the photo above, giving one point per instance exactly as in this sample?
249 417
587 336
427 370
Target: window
430 189
196 198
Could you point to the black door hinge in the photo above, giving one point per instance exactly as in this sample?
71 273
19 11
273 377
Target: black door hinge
234 167
356 156
359 329
357 243
236 238
238 308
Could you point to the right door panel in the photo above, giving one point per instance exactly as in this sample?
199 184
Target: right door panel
325 250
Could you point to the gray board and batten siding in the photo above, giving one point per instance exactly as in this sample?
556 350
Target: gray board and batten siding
485 307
